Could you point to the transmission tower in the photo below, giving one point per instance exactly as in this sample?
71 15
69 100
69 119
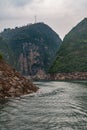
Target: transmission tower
35 19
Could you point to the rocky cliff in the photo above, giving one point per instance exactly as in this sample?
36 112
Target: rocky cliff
12 84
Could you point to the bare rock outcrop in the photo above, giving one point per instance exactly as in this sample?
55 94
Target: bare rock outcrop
12 84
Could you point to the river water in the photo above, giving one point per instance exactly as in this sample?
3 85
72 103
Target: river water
56 106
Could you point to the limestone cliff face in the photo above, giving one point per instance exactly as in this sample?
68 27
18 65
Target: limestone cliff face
28 58
12 84
33 47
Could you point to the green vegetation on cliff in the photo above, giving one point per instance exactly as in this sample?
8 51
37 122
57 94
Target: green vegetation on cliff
72 56
30 48
1 57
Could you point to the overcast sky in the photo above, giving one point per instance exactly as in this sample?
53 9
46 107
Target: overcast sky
60 15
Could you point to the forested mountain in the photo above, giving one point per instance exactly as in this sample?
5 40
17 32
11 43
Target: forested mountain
30 48
72 56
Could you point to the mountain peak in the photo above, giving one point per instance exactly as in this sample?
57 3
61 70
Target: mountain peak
31 48
72 56
83 22
85 19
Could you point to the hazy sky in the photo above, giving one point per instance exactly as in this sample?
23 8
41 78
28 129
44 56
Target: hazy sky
60 15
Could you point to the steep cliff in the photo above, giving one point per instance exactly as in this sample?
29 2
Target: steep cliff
32 48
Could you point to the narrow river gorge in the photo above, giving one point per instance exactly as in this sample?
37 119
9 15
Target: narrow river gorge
56 106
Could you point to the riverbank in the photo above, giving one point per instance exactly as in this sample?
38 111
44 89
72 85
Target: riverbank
60 76
12 83
68 76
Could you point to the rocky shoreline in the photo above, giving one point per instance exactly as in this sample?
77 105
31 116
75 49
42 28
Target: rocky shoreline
68 76
12 84
61 76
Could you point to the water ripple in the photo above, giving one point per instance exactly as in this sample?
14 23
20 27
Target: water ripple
56 106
